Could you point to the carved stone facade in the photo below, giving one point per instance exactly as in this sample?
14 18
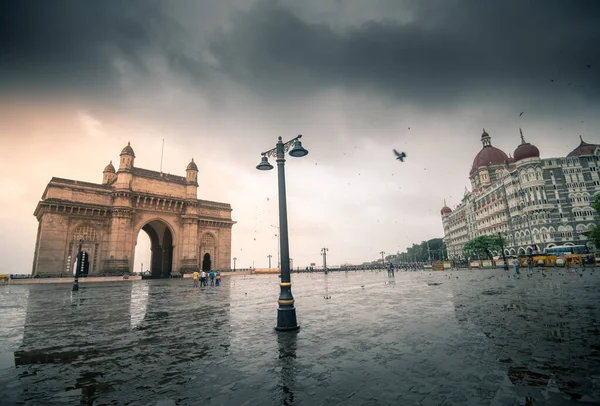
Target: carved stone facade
186 233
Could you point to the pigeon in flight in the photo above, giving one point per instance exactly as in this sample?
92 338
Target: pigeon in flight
400 155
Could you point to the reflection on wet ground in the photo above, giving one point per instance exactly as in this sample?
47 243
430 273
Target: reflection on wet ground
462 337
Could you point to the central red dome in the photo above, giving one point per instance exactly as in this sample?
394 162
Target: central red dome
488 155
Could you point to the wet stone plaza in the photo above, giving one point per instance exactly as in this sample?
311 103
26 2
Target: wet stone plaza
429 338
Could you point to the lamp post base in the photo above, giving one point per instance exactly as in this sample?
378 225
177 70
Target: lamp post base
286 320
75 286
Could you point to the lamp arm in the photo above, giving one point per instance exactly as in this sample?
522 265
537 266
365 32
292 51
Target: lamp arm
272 153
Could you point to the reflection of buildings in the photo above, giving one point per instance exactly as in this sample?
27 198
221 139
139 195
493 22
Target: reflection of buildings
132 334
185 233
532 202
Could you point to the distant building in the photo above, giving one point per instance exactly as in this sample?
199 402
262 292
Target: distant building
186 233
534 203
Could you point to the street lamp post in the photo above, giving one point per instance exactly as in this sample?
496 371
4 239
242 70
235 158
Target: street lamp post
502 249
234 259
382 259
324 253
528 221
80 266
286 313
269 256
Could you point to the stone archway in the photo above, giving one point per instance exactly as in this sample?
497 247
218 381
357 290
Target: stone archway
181 228
161 247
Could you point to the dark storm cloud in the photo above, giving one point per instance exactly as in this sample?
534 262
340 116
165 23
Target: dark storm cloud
450 49
72 45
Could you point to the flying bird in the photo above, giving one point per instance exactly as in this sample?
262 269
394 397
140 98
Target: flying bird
400 155
521 113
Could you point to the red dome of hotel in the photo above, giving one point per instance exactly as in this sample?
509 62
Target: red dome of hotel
488 155
526 150
583 149
445 210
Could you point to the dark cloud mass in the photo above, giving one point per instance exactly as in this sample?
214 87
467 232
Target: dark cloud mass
445 50
449 49
71 45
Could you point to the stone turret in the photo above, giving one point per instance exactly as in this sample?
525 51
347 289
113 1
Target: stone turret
109 174
127 158
191 178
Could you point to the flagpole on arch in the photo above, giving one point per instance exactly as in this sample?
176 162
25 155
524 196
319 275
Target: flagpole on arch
161 154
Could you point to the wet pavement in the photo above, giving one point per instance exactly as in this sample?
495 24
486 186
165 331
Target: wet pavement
439 338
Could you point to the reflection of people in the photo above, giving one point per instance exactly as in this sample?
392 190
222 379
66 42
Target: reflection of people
195 277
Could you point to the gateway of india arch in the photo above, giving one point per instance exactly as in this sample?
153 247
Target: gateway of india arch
186 234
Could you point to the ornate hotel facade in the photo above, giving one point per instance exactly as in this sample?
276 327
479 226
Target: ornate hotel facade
534 203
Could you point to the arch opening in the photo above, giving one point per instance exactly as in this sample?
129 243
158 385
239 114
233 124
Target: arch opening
158 262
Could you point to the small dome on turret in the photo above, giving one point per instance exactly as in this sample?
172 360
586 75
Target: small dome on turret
192 166
128 150
109 168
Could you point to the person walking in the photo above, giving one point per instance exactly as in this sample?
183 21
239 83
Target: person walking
203 279
211 275
530 266
517 266
218 278
195 278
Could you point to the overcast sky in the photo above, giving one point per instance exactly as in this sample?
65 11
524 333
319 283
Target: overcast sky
219 81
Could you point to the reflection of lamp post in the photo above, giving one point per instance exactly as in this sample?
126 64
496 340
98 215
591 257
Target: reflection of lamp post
80 267
234 259
286 313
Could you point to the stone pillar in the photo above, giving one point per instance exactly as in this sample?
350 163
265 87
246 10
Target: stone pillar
120 244
224 248
52 245
188 244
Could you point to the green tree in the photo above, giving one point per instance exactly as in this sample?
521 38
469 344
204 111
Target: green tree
482 246
594 234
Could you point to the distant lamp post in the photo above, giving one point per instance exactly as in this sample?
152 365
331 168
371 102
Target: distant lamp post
80 266
278 244
269 256
324 253
382 259
502 249
234 259
532 246
286 313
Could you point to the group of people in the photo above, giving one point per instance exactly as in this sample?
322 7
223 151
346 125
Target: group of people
517 265
203 278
